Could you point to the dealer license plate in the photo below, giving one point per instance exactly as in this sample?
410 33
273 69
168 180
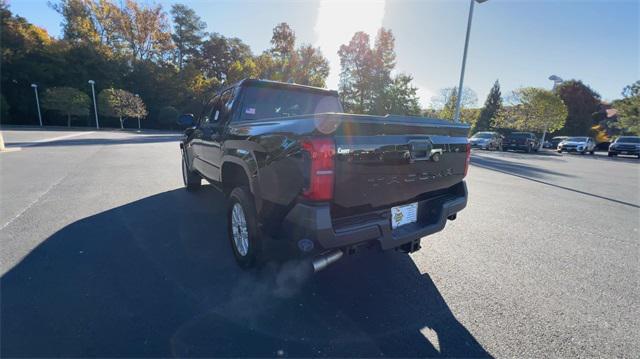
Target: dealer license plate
402 215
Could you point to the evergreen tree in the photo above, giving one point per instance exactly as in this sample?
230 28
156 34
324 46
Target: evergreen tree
188 31
491 108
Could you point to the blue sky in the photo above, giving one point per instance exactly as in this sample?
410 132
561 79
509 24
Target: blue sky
520 43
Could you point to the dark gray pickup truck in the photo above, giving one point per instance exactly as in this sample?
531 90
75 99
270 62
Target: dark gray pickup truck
305 180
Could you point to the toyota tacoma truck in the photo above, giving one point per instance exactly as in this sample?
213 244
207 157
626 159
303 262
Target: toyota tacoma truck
304 180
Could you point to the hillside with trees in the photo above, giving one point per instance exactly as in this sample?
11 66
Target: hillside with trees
165 63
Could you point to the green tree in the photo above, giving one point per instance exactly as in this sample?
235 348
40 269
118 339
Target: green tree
446 102
66 100
283 50
168 116
629 109
78 23
582 102
401 97
355 76
219 53
383 59
242 69
533 109
492 106
121 104
312 68
188 31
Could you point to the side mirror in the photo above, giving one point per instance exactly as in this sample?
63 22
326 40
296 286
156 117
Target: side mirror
186 120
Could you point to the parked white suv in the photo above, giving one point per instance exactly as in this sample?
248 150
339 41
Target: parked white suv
577 144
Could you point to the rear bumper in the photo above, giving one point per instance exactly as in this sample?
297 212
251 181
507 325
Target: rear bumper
632 152
309 230
515 147
482 146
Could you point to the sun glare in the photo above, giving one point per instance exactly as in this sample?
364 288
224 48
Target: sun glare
337 21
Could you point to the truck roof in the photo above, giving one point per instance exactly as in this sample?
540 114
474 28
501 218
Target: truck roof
278 84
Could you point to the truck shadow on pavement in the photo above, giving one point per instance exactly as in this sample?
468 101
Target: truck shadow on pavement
156 277
517 168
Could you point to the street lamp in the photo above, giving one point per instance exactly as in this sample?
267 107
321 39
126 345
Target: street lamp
35 89
556 81
95 108
464 59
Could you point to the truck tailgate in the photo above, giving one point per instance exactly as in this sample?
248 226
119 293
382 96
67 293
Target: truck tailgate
384 163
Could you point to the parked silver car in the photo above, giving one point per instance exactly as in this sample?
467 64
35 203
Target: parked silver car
486 141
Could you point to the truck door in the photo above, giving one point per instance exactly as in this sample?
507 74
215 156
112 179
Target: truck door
212 135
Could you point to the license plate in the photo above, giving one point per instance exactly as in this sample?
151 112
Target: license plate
402 215
623 152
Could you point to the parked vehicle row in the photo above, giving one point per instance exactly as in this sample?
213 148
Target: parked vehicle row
528 142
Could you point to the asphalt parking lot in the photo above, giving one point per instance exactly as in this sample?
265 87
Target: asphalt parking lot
104 253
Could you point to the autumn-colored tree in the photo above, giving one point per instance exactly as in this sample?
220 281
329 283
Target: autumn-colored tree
66 100
144 31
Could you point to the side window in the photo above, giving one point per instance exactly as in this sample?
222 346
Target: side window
226 101
215 110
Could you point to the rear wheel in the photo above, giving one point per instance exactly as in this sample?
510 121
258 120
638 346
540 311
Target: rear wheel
611 154
242 227
190 178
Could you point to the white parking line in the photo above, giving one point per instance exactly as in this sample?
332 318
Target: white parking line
34 143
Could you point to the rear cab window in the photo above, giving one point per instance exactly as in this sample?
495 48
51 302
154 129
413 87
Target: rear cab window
262 102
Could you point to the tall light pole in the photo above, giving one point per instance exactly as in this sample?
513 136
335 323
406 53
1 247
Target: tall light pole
556 81
456 118
95 108
35 89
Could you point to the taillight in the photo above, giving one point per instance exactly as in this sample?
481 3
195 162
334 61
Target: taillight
467 159
321 168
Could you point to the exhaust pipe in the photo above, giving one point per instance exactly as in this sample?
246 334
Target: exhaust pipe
323 261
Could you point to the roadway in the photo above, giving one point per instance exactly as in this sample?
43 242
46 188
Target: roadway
105 254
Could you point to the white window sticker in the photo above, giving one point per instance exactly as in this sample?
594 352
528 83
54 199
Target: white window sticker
250 111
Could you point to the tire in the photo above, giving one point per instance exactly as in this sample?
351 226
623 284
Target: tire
559 151
245 237
611 154
191 179
592 152
529 149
